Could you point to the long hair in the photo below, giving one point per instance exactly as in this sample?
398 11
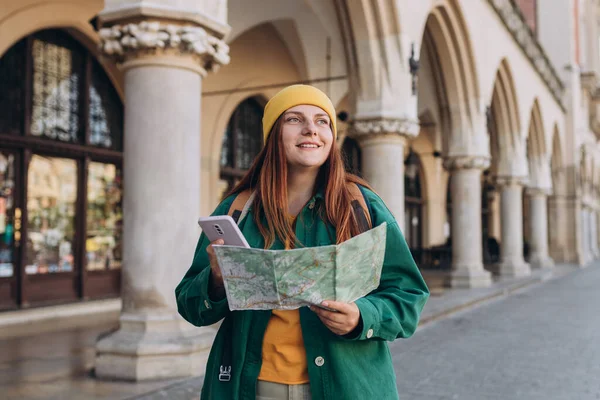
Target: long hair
268 177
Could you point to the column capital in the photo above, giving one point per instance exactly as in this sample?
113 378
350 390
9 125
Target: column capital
404 127
466 162
537 191
511 180
135 41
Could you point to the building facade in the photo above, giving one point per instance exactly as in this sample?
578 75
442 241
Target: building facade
121 121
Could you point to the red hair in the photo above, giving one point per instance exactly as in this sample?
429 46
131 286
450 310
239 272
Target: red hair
268 177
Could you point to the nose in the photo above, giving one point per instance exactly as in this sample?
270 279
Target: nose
310 128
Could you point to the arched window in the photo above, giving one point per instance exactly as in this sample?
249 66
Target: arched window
413 202
61 143
352 156
242 142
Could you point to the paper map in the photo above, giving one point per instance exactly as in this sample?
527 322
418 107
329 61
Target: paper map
257 279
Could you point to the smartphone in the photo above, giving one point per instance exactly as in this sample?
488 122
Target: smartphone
223 227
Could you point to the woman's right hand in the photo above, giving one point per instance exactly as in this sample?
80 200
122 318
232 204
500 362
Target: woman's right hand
216 279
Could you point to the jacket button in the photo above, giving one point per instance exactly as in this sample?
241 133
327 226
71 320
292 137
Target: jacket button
369 333
319 361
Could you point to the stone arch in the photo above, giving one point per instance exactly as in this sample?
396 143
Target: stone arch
557 215
253 52
537 156
286 30
371 61
309 29
447 42
557 164
433 102
504 126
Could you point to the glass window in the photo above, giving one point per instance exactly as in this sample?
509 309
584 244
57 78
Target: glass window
413 201
242 141
226 149
58 66
51 215
248 133
351 154
104 217
106 114
11 86
7 223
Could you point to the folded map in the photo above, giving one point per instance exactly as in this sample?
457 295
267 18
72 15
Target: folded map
257 279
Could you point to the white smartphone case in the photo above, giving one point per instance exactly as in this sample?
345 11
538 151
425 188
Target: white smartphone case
223 227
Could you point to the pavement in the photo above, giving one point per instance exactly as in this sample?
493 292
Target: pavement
58 364
542 343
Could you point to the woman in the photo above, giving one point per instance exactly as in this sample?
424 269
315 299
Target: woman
303 199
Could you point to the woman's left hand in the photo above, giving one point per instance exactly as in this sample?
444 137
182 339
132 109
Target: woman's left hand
341 322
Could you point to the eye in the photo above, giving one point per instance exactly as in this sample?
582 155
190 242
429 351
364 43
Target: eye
292 119
323 121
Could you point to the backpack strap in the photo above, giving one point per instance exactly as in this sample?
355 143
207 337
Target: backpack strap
238 210
241 204
362 211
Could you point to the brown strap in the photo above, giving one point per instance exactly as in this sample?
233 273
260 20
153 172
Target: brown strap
235 210
357 200
359 205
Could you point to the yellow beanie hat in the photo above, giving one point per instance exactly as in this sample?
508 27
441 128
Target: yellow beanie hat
292 96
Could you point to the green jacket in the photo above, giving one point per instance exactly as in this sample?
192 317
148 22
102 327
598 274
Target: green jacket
338 367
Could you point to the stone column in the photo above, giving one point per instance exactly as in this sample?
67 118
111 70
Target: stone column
592 225
584 234
467 252
597 219
559 230
163 66
512 263
383 143
538 214
594 222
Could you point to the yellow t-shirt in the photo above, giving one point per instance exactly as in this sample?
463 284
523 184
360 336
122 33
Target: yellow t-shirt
284 355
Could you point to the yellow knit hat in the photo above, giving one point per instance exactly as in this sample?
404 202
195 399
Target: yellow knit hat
292 96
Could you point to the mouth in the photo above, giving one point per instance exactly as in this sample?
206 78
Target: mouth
308 146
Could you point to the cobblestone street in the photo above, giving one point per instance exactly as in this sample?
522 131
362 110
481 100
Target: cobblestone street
540 343
543 343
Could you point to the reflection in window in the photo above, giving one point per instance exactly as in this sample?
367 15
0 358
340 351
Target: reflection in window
51 215
242 141
7 223
57 72
104 217
106 114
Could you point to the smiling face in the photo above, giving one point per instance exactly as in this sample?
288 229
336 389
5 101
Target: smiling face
307 137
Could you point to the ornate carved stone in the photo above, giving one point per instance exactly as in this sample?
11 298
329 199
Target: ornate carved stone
123 42
517 26
467 162
394 126
510 180
537 191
